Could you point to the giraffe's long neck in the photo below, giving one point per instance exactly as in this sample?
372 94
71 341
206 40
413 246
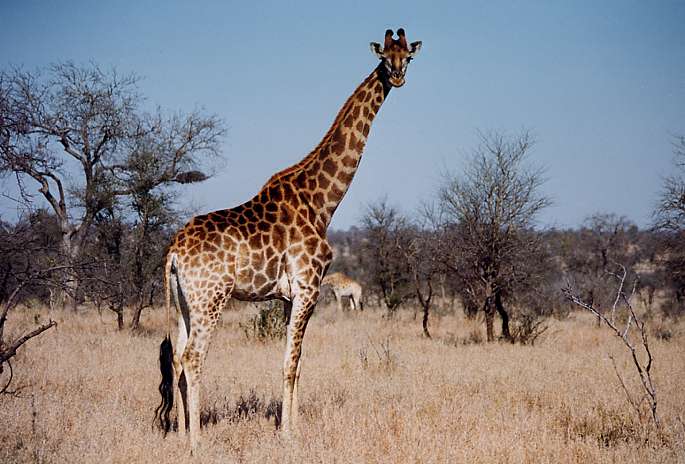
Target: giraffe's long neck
321 179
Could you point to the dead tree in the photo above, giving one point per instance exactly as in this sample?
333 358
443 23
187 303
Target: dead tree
487 212
420 250
23 250
640 353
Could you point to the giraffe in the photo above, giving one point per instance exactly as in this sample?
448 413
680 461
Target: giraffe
273 246
344 286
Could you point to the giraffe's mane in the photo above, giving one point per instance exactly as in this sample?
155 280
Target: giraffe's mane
307 160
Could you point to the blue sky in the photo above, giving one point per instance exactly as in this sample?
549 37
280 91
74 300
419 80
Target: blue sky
600 84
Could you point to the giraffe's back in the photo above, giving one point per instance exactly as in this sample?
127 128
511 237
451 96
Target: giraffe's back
256 247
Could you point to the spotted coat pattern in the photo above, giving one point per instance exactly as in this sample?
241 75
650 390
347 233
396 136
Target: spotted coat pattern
344 287
271 247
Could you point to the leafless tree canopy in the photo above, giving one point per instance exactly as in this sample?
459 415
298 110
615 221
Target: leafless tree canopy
487 214
670 211
386 237
78 134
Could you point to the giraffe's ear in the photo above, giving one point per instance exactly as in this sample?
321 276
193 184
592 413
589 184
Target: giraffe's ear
414 48
377 50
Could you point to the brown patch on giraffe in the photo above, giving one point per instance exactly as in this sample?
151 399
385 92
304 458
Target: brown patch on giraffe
249 214
352 142
271 207
272 266
275 193
286 215
334 194
278 236
311 244
257 258
288 192
366 130
338 139
329 167
355 112
295 234
263 226
359 126
361 96
318 199
345 177
300 180
296 249
349 120
349 161
323 181
256 241
259 280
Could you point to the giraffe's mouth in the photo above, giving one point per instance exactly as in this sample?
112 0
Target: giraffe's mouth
396 81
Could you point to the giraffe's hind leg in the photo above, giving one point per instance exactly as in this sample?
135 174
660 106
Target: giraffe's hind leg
180 380
203 320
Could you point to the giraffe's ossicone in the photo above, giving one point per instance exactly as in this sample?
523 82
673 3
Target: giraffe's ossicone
271 247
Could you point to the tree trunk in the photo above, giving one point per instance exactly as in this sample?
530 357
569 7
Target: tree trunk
67 296
424 323
489 319
505 317
120 318
135 318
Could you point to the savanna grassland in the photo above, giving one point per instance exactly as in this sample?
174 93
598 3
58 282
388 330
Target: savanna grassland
372 390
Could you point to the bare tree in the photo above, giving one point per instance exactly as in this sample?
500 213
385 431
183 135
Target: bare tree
386 237
589 254
670 210
669 221
421 252
71 130
23 253
488 211
641 355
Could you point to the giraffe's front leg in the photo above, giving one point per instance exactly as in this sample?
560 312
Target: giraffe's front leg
302 310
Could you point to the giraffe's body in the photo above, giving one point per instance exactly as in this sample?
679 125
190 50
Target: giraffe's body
343 287
271 247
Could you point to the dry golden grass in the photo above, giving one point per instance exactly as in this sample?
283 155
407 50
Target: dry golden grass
372 390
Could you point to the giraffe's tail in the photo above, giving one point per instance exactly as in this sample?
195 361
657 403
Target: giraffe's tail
166 356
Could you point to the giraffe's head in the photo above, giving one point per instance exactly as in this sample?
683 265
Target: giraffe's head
395 55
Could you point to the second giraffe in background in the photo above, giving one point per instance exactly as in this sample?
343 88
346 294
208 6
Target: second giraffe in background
344 286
